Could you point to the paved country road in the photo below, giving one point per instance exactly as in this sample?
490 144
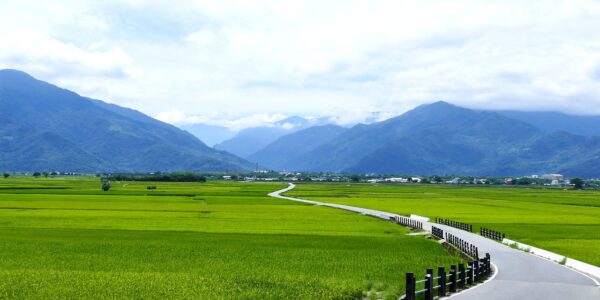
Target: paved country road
519 275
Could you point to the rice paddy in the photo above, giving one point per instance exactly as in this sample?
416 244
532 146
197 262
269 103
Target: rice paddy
562 221
65 238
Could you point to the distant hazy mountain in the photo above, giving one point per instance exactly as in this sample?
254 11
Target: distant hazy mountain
48 128
441 138
286 152
250 140
209 134
551 121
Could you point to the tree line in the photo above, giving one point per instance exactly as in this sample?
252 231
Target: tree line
165 177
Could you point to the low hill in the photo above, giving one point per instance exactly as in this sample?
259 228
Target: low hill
250 140
287 152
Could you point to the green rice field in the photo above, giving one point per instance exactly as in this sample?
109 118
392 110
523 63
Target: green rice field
63 238
563 221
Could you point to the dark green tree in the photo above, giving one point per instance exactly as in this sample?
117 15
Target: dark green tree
577 183
45 174
37 174
106 186
523 181
355 178
6 175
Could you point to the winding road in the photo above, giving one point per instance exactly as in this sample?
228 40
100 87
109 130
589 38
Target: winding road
519 275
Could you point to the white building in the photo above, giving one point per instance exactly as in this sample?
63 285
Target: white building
397 179
553 176
375 180
454 181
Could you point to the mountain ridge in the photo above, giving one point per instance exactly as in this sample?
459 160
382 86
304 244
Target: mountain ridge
286 152
250 140
121 138
441 138
549 121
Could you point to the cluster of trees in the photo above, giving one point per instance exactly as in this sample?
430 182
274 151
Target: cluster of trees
577 183
35 174
105 185
167 177
45 174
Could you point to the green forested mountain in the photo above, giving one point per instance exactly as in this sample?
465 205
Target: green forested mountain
549 121
48 128
441 138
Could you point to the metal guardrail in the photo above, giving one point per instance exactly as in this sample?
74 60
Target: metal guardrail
462 245
455 224
407 222
457 279
437 232
491 234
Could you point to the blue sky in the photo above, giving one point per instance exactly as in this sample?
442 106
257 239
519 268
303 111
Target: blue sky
241 63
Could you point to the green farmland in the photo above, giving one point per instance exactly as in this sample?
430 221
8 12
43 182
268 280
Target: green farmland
64 238
563 221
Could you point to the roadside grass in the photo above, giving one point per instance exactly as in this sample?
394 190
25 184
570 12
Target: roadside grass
65 238
565 222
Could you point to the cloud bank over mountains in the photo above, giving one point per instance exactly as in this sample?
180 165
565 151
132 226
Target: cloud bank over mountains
242 62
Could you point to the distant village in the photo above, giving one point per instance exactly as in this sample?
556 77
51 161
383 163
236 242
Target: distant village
556 180
550 180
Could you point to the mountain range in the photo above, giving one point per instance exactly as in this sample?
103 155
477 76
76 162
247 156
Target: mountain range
250 140
437 138
549 121
45 127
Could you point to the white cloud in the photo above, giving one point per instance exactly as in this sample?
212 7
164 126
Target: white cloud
179 118
233 122
255 120
219 60
43 54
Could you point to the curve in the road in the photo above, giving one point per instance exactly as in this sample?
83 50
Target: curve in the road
520 276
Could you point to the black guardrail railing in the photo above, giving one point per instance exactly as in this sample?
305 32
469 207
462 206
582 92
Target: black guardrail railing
437 232
491 234
462 245
455 224
458 278
407 222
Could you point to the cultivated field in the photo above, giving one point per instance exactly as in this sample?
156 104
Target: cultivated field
64 238
563 221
